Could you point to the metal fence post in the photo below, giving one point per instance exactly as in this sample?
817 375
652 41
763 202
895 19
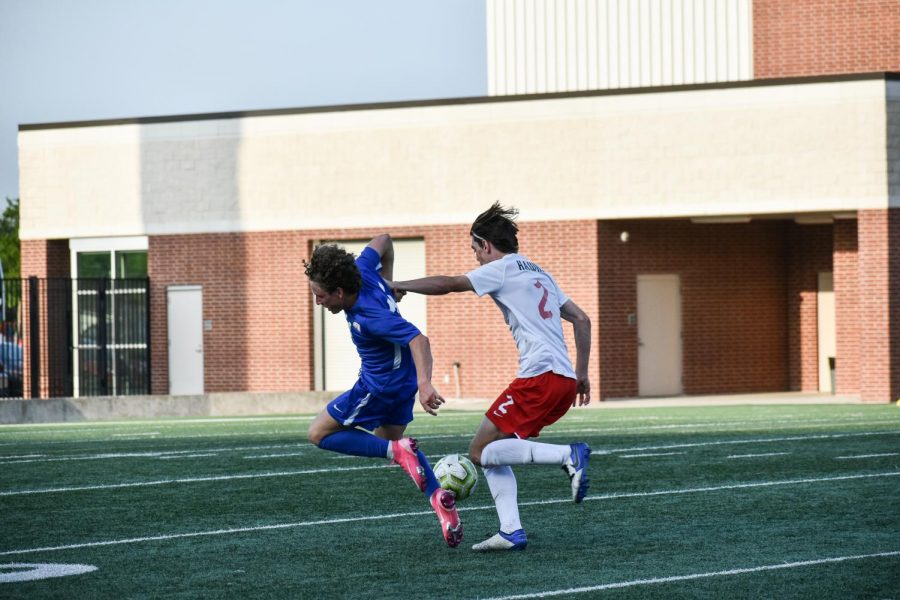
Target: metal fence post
34 320
101 337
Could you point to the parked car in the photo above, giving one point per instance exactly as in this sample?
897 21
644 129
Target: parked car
11 370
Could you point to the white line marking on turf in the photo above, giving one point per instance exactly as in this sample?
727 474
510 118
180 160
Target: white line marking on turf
276 455
692 576
36 571
187 456
618 496
794 438
867 456
650 454
150 454
114 486
136 434
757 455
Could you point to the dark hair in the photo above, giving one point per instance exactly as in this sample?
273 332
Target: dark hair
333 267
498 226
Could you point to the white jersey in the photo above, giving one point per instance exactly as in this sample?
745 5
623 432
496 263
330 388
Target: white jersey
530 301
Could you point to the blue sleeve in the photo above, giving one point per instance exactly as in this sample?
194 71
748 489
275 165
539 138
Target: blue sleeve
369 260
393 328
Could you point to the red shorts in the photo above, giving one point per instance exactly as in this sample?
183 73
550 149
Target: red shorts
529 404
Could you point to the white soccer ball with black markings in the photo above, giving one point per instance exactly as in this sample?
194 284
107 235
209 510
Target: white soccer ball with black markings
457 473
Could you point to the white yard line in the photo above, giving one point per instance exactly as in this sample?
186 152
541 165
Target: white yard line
114 486
867 456
693 576
649 454
104 426
793 438
152 454
757 455
624 495
276 455
187 456
634 449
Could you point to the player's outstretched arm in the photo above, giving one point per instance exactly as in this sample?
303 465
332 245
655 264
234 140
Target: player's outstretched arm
421 353
582 324
384 246
436 285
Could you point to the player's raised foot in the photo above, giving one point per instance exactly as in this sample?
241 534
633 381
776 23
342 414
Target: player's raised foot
405 455
576 469
503 541
444 504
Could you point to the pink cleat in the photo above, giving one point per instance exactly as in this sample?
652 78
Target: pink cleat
444 504
405 456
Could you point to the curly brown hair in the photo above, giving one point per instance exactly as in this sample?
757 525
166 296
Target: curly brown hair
333 267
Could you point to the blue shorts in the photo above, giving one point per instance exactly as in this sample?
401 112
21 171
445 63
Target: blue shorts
359 407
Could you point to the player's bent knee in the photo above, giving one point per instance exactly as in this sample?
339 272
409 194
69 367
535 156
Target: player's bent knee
314 436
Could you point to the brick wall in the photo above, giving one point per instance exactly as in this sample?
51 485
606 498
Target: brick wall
45 258
42 259
257 298
809 251
879 304
793 38
733 285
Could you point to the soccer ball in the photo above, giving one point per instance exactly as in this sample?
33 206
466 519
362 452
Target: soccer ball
457 474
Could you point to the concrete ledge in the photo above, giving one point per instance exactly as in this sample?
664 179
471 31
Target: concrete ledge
111 408
242 404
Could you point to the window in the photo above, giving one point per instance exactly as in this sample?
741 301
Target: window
110 354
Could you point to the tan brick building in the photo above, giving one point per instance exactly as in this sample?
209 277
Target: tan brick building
734 232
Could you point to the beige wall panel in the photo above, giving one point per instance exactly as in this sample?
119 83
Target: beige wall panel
538 46
735 151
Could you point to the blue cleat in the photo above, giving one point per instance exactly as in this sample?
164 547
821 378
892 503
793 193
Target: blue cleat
503 541
576 469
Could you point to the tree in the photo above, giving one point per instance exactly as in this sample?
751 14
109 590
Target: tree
9 239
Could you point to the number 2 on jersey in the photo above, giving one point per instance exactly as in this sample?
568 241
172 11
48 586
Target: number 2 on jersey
542 305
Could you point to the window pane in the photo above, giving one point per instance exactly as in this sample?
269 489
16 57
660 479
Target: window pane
131 264
94 264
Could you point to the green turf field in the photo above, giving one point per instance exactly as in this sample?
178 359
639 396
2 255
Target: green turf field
713 502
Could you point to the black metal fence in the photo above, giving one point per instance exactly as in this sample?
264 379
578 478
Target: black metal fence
74 337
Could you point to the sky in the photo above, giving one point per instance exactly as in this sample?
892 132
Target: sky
74 60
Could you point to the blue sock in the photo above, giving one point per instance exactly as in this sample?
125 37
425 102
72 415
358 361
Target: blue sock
431 482
356 443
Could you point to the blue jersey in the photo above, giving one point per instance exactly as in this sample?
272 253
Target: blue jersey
380 334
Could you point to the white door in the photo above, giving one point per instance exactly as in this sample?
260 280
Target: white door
659 335
826 326
185 314
337 363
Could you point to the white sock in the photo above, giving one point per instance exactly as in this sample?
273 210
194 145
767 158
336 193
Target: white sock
503 488
390 452
513 451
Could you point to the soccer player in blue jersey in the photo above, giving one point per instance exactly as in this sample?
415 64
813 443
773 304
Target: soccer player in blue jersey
371 418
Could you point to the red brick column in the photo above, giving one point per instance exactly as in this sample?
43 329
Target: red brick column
846 304
879 304
43 259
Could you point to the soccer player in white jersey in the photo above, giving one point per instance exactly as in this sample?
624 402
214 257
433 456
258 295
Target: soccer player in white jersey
546 385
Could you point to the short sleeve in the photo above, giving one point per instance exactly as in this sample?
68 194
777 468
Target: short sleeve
369 260
560 295
487 278
392 328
